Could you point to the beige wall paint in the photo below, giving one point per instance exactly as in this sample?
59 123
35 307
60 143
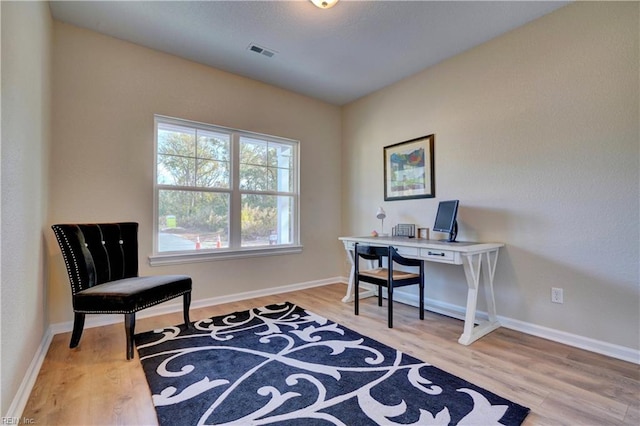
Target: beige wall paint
106 92
537 134
26 70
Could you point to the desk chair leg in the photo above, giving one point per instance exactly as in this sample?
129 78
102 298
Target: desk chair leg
421 300
186 303
390 301
129 326
356 295
379 295
78 325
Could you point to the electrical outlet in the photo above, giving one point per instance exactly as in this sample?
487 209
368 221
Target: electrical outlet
557 295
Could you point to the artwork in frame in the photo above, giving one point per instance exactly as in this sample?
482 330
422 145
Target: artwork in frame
408 169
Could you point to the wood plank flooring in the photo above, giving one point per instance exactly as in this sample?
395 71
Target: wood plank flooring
95 385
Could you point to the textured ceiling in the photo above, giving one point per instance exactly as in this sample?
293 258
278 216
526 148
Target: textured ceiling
335 55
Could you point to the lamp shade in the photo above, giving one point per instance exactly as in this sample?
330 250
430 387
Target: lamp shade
380 214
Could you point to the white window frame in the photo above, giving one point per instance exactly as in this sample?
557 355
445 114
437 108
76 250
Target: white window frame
234 250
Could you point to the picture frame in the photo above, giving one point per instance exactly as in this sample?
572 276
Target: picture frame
409 169
423 233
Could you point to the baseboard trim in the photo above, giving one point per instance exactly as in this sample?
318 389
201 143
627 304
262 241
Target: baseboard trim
455 311
592 345
24 391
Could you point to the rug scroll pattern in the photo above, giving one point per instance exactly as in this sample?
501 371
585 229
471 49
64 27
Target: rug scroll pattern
281 364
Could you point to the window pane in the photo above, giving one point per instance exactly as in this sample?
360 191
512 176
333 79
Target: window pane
280 155
176 155
213 152
253 177
253 162
266 220
176 140
266 166
192 220
193 157
253 151
214 146
272 156
280 180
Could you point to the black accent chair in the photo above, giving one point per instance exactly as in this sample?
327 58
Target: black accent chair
386 277
102 263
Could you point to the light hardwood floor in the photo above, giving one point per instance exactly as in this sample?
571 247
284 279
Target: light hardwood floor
94 383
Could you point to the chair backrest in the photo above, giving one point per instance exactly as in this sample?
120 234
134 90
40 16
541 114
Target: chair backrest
377 253
371 252
98 253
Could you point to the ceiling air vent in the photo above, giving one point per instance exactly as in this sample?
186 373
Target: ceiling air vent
261 50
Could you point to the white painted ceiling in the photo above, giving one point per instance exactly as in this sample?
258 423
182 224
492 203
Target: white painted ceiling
335 55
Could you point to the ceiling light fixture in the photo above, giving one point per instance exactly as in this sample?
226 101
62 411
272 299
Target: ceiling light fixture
324 4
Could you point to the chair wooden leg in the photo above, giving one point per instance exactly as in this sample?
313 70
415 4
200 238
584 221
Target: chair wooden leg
186 302
356 295
421 300
78 325
390 302
129 326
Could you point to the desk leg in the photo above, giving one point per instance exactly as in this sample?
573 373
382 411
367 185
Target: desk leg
489 261
472 265
349 297
350 290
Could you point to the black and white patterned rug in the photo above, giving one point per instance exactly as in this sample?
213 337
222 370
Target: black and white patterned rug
281 364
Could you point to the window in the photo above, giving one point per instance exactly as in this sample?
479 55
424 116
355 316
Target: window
222 192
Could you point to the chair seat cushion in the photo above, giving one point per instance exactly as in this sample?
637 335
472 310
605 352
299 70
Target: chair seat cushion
130 294
383 273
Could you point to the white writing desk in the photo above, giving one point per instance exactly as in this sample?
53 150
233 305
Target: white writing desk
474 257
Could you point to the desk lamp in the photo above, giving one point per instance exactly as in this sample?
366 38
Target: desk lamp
381 215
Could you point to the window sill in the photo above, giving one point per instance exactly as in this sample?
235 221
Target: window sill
218 254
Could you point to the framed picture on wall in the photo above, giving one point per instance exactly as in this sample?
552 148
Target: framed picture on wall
408 169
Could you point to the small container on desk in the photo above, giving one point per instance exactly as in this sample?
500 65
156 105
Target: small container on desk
423 233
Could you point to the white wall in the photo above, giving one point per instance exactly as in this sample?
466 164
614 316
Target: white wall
106 92
26 50
537 134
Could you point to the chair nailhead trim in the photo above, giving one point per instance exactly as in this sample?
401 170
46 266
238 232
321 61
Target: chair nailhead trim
74 282
139 308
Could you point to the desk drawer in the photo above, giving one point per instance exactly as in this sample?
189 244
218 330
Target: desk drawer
407 251
435 255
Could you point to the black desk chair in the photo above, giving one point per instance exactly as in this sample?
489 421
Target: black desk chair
102 263
386 277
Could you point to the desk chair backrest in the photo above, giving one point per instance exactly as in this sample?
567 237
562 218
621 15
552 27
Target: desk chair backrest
371 253
379 253
98 253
